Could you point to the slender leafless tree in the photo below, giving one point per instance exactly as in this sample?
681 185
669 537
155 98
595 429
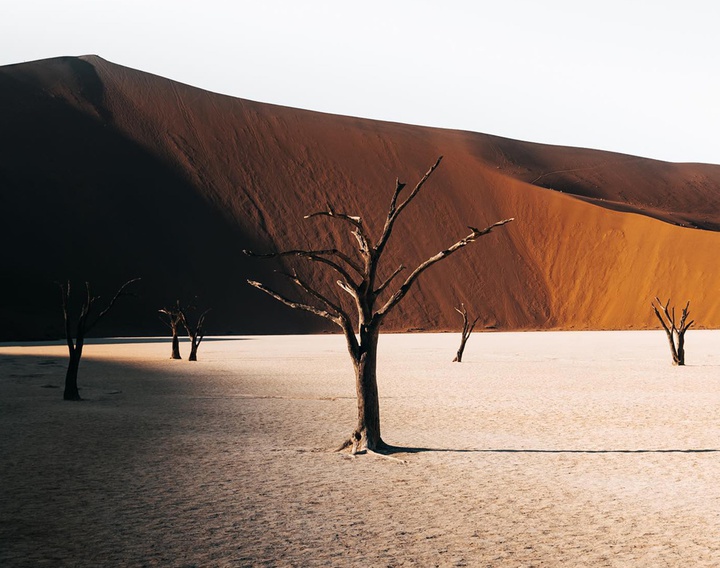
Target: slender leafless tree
172 317
85 322
466 331
675 332
195 332
359 277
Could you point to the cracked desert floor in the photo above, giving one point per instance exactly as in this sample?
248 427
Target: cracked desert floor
540 449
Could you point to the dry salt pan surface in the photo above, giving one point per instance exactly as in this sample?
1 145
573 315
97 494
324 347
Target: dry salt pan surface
540 449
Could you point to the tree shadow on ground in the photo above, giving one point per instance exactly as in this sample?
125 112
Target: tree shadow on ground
418 450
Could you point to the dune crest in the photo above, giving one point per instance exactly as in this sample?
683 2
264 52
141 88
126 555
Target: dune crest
109 173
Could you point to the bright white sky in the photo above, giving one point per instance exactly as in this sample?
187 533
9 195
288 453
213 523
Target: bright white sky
633 76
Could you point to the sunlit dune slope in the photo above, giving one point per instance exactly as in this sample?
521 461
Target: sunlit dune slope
107 173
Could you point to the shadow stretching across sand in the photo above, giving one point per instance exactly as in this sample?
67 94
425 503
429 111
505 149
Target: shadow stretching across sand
411 450
120 340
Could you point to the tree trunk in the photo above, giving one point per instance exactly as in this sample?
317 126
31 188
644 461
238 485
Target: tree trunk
461 349
175 346
367 433
71 389
681 349
673 349
193 350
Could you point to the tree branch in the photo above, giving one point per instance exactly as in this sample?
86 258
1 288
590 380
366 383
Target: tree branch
359 231
354 220
295 279
395 210
464 315
197 333
662 322
110 305
65 295
345 320
349 261
349 289
400 294
297 305
199 328
363 245
317 256
670 326
89 300
390 278
352 340
173 316
683 318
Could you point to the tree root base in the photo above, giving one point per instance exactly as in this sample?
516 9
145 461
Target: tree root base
381 450
72 398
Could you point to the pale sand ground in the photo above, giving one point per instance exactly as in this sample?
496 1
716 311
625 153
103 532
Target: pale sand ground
543 449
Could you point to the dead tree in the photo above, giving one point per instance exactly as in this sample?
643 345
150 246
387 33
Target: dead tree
173 319
195 332
466 331
359 277
85 323
675 333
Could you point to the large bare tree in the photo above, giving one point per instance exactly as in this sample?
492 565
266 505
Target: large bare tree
675 332
359 277
85 322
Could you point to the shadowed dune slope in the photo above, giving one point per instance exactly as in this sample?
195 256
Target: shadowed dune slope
107 173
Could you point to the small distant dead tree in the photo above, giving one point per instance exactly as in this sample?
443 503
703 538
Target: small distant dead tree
195 332
359 277
172 317
85 322
675 332
466 331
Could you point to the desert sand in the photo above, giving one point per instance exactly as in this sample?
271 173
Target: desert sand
540 449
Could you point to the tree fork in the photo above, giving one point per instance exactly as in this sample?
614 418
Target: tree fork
196 332
84 324
675 332
173 320
466 331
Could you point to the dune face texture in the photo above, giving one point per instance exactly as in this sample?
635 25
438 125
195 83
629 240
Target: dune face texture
107 173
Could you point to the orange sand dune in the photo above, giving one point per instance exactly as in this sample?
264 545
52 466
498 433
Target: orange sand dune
108 173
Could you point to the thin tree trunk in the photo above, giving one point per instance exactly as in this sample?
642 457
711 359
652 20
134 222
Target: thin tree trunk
466 331
175 346
193 350
196 333
681 349
673 349
461 349
367 433
71 389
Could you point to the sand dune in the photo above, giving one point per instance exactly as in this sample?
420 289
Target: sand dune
540 449
109 173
